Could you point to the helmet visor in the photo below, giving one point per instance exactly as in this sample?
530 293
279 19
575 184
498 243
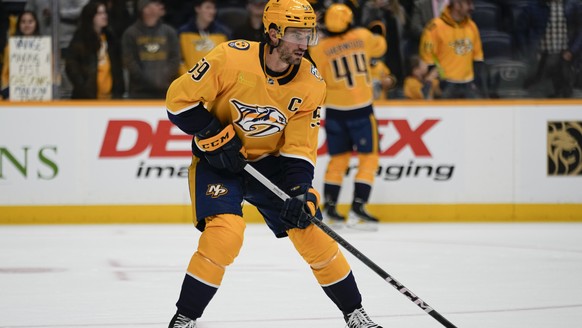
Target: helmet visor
305 36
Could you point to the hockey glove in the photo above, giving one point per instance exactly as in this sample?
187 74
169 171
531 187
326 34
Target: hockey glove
222 147
298 209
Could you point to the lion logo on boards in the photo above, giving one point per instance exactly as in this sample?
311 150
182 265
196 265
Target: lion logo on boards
259 121
564 148
216 190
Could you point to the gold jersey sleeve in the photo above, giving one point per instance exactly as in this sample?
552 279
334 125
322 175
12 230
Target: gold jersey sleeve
451 46
272 115
344 62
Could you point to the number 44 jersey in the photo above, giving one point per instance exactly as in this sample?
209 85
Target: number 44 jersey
344 62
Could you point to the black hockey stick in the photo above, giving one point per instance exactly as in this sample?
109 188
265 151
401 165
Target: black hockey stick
340 240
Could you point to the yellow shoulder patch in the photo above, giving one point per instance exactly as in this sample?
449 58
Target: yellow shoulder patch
239 44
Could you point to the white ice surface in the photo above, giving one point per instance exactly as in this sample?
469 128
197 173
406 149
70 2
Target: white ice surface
120 276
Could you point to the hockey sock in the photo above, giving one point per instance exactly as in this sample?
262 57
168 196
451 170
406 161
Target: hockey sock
362 192
345 294
194 297
331 193
218 246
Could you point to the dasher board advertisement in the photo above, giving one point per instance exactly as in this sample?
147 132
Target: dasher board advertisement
128 153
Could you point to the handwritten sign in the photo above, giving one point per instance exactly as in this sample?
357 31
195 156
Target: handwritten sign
30 68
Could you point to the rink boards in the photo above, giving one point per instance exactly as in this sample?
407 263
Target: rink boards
441 161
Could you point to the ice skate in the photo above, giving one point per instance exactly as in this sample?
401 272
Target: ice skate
359 319
332 218
182 321
360 219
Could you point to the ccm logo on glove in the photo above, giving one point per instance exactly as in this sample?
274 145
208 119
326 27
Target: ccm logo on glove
217 141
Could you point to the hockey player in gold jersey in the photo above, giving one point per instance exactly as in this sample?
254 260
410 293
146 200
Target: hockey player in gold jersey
344 58
250 103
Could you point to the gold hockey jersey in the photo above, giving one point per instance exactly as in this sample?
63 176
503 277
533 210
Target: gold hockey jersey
452 47
194 46
272 115
344 62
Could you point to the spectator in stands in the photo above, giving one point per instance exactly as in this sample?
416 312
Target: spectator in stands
452 43
69 13
178 12
120 17
42 10
423 11
151 52
26 25
252 29
382 79
421 83
94 58
407 5
4 25
201 34
393 16
549 38
4 30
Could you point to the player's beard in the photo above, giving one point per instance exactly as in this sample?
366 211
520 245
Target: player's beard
288 56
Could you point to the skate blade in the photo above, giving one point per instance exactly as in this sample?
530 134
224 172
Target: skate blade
363 226
334 224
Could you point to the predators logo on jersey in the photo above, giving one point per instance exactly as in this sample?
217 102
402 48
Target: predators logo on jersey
216 190
269 117
259 121
462 46
453 46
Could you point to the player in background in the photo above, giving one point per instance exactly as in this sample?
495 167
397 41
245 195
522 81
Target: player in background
344 58
260 101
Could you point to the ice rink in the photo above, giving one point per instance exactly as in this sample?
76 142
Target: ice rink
120 276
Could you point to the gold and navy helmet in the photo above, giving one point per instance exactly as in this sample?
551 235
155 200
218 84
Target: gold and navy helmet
284 14
338 18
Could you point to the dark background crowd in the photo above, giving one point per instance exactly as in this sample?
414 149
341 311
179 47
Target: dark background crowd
135 48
